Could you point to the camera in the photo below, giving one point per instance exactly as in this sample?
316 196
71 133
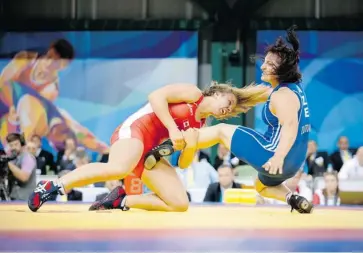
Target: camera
6 179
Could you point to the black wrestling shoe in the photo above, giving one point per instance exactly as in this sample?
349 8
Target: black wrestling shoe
300 204
154 156
113 200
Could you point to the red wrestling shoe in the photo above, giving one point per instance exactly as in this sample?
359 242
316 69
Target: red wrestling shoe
114 200
46 190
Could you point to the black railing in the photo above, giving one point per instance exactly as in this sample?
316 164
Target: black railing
330 24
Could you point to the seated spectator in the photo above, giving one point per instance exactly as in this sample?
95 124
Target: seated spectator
199 174
338 158
353 168
80 157
329 195
317 162
203 155
224 156
216 190
65 157
45 159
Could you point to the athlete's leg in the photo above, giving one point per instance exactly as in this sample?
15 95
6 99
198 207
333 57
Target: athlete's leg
208 136
282 193
123 157
255 149
169 194
252 147
279 192
275 188
220 133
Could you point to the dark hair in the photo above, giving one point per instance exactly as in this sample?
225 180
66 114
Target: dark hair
70 137
288 70
14 137
324 191
225 165
64 48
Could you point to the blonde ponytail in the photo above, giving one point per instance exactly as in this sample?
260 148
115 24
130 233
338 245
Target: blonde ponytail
247 97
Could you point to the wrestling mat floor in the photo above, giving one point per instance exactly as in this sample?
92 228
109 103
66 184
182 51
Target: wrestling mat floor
235 228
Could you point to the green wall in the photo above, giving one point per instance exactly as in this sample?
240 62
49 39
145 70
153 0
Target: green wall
222 71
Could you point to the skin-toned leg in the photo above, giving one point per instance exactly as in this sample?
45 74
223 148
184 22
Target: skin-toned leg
169 193
124 156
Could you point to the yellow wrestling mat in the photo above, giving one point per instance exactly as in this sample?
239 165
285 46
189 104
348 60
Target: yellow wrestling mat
65 216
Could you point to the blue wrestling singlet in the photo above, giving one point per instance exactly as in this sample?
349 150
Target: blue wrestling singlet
256 149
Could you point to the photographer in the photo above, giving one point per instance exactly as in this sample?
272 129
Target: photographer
23 168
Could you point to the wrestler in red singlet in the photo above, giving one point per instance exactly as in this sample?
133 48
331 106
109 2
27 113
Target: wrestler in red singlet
146 126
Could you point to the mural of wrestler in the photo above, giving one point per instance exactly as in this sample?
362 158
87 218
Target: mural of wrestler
29 85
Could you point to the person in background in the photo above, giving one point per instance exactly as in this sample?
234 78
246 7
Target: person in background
339 157
224 156
65 157
45 159
353 168
31 147
199 174
317 161
175 157
216 190
80 158
329 195
23 168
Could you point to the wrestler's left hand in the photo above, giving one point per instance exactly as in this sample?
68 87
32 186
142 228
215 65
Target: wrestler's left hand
274 165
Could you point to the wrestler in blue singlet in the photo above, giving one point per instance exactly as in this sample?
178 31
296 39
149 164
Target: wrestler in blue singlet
256 148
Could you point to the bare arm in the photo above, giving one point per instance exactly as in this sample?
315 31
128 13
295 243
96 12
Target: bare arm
17 64
27 166
175 93
285 105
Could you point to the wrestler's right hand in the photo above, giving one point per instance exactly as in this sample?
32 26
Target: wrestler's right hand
176 136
